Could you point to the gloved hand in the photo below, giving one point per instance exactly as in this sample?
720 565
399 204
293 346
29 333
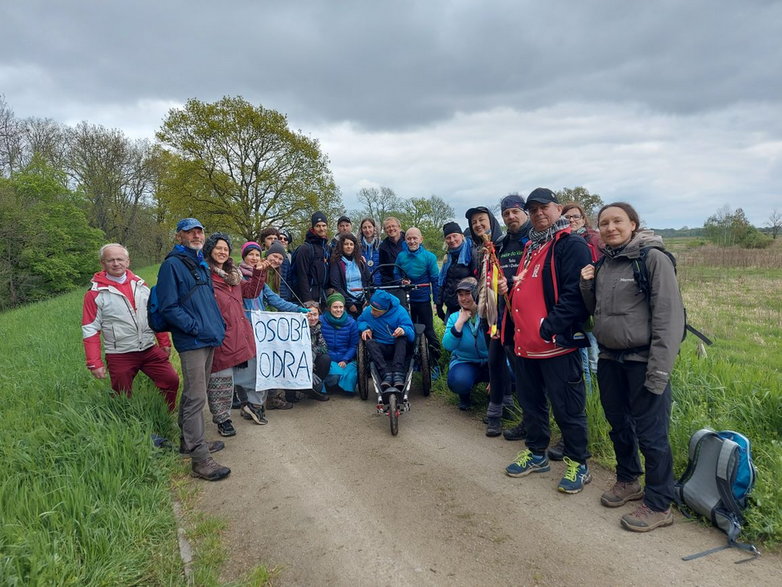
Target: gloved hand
303 310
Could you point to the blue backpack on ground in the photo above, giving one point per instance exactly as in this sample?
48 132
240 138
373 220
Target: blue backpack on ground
155 318
719 477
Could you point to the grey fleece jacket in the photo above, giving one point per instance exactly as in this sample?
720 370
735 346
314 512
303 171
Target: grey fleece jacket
623 317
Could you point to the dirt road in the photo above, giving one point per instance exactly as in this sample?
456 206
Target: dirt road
328 495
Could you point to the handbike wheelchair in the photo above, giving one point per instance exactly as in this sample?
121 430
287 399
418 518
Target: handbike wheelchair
393 401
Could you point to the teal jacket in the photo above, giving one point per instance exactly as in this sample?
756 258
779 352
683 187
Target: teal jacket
419 266
384 325
467 346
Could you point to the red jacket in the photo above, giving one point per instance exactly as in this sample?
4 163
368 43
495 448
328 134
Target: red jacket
239 342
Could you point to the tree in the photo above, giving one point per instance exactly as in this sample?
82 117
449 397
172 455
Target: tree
11 140
46 244
591 203
726 229
774 222
240 168
429 215
379 203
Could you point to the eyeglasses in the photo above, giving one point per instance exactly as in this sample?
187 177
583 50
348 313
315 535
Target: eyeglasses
573 217
282 238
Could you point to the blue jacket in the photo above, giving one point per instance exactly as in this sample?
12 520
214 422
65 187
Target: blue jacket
194 318
266 299
384 325
467 346
419 266
342 342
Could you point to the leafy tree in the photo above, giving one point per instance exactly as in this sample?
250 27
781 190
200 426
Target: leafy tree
591 203
726 229
429 215
240 168
46 244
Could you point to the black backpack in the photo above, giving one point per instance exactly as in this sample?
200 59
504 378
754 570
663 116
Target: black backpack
641 277
155 318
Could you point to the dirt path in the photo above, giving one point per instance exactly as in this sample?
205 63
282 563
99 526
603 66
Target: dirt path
328 495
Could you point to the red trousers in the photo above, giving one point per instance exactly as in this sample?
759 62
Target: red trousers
153 362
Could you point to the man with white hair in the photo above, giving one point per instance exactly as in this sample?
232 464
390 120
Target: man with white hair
116 307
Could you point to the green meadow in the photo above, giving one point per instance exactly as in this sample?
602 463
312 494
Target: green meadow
86 499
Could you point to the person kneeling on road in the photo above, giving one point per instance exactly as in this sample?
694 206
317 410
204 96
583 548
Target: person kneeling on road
463 338
387 330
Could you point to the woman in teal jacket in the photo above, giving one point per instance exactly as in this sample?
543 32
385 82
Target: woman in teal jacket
467 344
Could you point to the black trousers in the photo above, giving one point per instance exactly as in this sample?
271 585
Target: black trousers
557 380
500 378
381 353
639 419
421 313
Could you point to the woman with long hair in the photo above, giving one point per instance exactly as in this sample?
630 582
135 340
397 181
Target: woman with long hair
348 273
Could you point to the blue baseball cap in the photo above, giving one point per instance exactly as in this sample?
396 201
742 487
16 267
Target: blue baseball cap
188 224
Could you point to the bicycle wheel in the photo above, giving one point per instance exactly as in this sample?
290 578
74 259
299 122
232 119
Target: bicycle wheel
393 414
363 370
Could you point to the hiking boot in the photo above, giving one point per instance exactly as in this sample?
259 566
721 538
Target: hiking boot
621 493
210 470
387 382
255 413
398 380
527 463
557 452
518 432
644 519
277 403
294 395
214 446
236 402
576 476
317 396
226 428
464 402
493 427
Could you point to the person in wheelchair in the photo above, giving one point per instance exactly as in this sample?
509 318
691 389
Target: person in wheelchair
466 342
388 332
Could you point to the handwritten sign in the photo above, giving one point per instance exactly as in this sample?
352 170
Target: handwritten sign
284 350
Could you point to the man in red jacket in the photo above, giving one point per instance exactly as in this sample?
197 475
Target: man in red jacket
116 305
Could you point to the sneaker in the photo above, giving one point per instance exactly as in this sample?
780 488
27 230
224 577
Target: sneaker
277 403
226 428
464 402
317 396
621 493
644 519
388 381
493 427
576 476
518 432
557 452
294 395
399 380
254 413
210 470
527 463
235 402
214 446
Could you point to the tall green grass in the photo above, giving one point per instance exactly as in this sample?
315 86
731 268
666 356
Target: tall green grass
84 496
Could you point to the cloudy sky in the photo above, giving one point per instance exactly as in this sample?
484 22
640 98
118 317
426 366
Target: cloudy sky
673 106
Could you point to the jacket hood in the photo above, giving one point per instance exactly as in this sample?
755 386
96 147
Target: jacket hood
632 250
314 239
384 300
496 228
103 281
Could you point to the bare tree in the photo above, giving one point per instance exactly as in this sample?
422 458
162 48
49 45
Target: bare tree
775 222
11 140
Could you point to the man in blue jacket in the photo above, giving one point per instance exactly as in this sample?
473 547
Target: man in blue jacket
387 330
414 264
186 300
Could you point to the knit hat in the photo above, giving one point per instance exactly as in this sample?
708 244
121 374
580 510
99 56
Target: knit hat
250 246
318 217
276 247
450 228
335 297
211 241
188 224
511 201
380 301
541 196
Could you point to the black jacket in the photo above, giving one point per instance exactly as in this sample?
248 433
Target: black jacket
338 281
388 252
311 267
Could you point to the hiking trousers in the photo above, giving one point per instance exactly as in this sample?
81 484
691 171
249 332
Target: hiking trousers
557 380
196 368
639 419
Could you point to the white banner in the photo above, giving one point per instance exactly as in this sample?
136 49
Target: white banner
284 350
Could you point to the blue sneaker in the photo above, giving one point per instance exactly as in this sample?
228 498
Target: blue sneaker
436 373
527 463
575 477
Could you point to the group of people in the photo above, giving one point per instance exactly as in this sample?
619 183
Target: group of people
533 311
